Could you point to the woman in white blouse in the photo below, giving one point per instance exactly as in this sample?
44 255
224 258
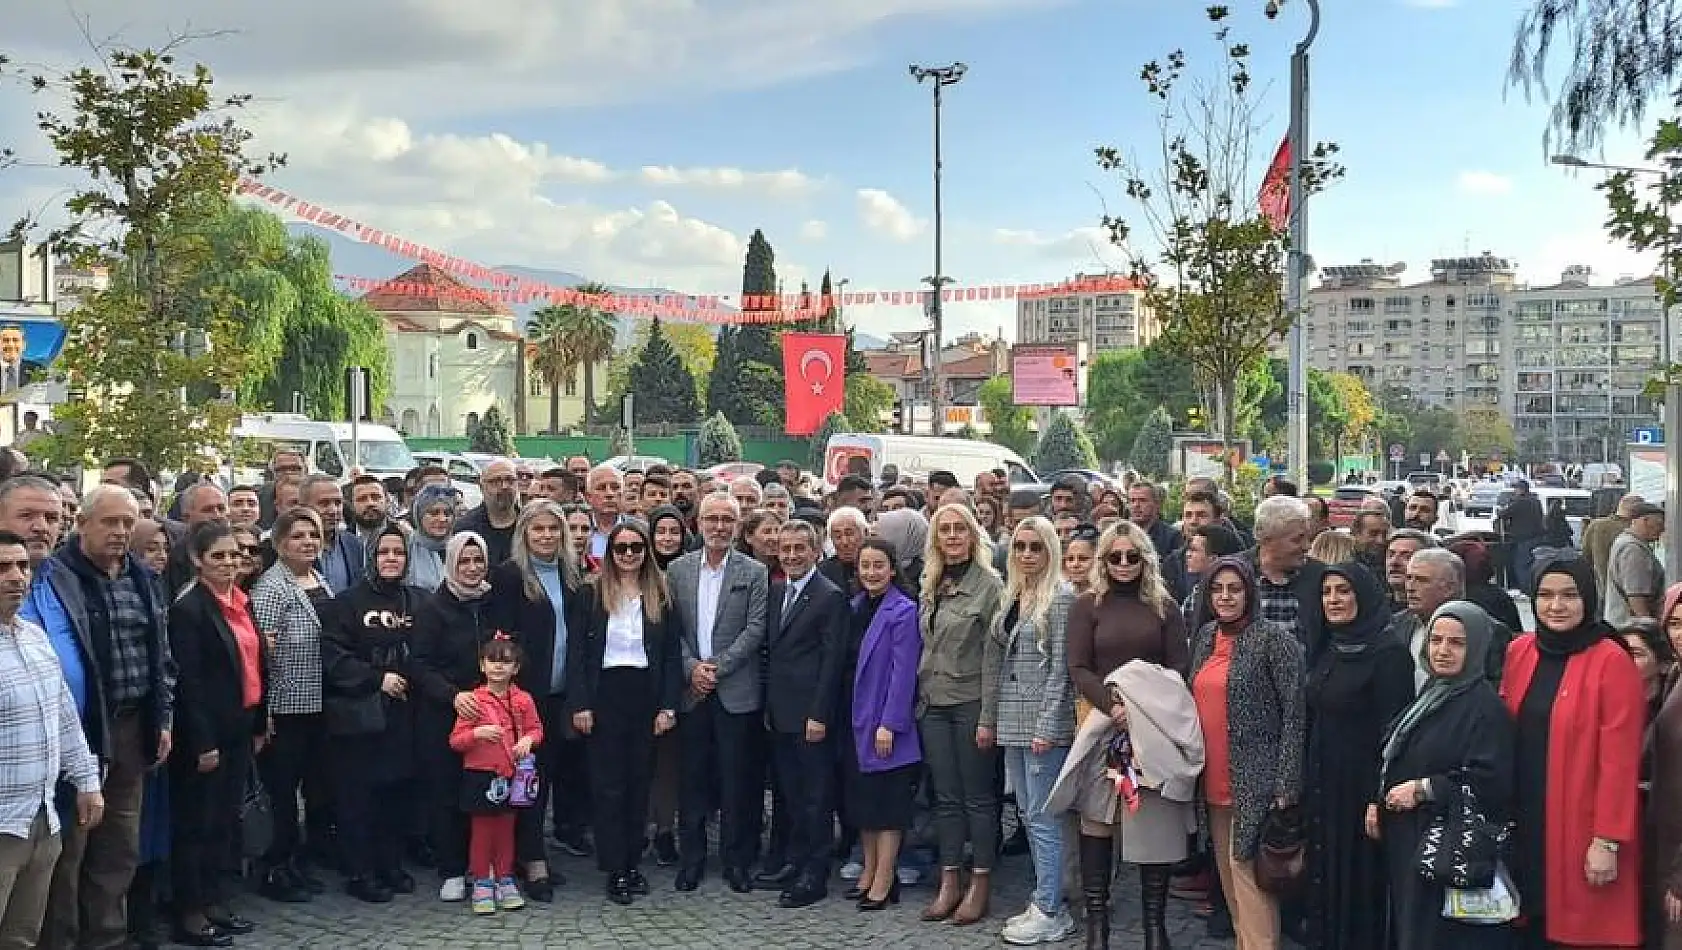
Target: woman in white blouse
624 678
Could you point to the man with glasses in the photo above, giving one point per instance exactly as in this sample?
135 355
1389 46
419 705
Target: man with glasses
494 519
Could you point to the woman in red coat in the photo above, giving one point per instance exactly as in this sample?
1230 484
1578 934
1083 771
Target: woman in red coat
1577 700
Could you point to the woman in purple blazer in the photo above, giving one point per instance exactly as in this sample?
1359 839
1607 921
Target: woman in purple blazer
883 647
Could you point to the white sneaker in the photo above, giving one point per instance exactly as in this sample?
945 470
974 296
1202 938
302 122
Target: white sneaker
1034 926
454 890
852 870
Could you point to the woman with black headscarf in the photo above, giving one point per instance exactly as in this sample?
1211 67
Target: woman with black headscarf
1577 699
1360 681
366 669
670 532
1456 733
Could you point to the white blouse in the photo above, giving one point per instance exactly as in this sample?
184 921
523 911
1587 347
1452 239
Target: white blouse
624 646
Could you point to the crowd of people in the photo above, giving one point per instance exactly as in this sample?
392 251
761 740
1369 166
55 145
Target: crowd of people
258 685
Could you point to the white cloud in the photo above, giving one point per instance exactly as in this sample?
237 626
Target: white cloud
884 215
1610 260
814 230
1080 247
1483 184
786 183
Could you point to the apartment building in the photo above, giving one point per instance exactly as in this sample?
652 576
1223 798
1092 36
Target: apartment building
1101 310
1565 363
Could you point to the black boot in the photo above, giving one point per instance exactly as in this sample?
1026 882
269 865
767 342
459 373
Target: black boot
1153 891
1096 866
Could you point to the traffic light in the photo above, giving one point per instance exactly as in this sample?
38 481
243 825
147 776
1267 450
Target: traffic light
899 416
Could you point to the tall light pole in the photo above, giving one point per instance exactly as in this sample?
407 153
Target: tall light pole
1296 261
942 76
1672 417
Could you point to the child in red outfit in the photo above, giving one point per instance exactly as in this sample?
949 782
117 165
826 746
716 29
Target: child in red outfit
503 730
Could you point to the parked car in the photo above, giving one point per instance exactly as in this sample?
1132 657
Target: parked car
1346 501
730 471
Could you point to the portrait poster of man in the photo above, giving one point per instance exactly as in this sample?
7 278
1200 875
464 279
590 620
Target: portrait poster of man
27 348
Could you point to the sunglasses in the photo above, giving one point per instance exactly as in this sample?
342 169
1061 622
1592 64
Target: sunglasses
630 548
1027 547
1118 558
249 550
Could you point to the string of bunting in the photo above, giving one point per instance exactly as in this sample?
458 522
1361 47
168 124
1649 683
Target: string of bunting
506 288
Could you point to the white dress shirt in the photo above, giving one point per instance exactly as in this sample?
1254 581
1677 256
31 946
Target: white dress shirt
624 646
794 588
706 602
40 733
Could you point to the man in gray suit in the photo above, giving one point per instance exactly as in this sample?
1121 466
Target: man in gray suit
719 599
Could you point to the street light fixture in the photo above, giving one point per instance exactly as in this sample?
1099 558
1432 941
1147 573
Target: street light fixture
1672 417
1297 262
941 77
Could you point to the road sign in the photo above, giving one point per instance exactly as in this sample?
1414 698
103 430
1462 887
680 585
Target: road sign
1424 460
1648 435
1397 452
1442 456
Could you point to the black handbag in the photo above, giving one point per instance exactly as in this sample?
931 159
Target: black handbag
1281 865
1460 847
355 715
256 817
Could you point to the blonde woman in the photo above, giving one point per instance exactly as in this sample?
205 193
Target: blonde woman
1127 615
1333 547
960 597
624 681
1027 704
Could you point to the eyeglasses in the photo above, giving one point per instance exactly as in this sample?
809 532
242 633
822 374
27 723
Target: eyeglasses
629 548
1118 558
499 480
249 550
1027 547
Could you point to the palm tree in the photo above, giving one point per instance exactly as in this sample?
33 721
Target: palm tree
550 360
568 337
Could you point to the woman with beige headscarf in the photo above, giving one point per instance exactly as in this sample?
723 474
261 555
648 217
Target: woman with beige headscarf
908 531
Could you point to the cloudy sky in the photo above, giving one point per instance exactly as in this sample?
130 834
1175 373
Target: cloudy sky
641 141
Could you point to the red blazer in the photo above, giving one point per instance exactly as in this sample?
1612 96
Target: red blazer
1594 765
497 757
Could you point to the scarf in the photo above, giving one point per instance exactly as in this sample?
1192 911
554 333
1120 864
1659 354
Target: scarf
432 496
669 513
452 566
1590 630
385 587
907 531
1240 565
1440 689
1367 628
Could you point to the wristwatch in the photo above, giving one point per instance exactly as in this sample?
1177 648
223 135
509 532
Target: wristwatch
1607 845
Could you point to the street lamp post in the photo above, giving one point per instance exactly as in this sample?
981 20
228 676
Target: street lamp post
1672 418
1297 261
941 76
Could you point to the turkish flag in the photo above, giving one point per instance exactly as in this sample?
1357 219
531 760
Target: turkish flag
814 379
1275 194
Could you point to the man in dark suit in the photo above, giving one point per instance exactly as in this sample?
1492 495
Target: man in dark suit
719 598
805 636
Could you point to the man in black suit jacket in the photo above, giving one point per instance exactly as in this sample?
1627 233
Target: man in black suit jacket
805 635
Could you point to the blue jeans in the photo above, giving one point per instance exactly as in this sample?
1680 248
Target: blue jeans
1032 777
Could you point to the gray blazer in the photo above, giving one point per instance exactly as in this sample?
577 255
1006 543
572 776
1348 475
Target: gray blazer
738 630
1026 694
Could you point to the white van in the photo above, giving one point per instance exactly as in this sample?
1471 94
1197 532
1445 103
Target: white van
326 446
849 452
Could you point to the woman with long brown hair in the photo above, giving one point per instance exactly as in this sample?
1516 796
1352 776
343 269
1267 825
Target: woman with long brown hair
625 679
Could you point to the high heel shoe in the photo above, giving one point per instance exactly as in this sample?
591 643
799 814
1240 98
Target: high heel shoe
866 902
853 893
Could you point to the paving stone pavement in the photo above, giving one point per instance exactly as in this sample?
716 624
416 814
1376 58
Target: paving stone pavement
711 918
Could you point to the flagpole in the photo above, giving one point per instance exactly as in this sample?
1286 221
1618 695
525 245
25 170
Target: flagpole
1296 262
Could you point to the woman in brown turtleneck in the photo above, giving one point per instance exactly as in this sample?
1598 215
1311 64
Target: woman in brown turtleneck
1127 615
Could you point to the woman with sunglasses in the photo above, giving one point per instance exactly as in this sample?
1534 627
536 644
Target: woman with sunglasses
1028 705
250 558
1128 615
960 596
624 680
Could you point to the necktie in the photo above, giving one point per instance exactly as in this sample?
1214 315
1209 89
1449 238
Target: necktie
788 603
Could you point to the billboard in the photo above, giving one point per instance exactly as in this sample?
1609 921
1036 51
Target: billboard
1046 375
28 345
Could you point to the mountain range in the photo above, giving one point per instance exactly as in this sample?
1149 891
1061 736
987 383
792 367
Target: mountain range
355 258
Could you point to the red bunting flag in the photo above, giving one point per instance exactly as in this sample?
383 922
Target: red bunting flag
815 379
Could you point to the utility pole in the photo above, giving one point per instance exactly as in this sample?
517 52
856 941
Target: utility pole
942 77
1297 260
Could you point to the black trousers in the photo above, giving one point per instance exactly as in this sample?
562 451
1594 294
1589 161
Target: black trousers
204 820
621 765
718 767
564 766
441 774
373 820
805 773
298 750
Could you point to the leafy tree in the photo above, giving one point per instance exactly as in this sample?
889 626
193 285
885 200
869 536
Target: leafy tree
1623 55
694 344
1153 449
1064 445
1644 221
867 398
1012 425
1359 411
161 152
857 365
747 379
665 391
1486 433
569 337
1122 387
1218 280
835 422
723 375
718 442
491 436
